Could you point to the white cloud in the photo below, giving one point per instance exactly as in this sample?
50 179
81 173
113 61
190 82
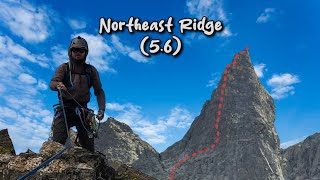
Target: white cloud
226 32
209 8
77 24
8 113
130 114
292 142
283 80
25 134
27 105
114 106
179 117
42 85
22 104
118 45
154 132
17 78
27 120
282 85
126 50
160 139
10 49
27 78
259 69
59 55
137 56
266 15
212 9
214 81
26 21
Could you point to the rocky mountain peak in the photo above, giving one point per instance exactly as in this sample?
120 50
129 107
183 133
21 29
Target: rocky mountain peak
118 126
234 133
119 144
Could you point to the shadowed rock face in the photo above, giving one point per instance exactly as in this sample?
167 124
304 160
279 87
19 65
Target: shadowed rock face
302 161
118 142
240 141
6 146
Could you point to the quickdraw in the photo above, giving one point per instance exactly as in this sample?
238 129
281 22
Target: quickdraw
93 124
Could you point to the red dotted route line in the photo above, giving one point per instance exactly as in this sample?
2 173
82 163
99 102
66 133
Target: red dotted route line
219 112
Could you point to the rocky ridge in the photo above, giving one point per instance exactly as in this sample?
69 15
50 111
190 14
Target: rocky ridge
118 142
302 161
75 163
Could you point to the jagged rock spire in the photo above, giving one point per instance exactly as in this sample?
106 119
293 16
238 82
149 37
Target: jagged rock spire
234 135
6 146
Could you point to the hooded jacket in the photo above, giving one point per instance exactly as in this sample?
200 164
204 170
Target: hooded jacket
80 91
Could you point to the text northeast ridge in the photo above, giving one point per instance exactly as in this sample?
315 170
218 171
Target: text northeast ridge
208 27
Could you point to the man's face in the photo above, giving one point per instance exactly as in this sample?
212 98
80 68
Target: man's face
78 53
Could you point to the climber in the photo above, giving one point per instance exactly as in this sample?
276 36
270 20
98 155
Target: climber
75 78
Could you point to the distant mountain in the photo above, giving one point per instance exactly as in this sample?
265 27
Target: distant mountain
118 142
302 160
6 145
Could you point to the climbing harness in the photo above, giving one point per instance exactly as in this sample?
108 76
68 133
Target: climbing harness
88 122
91 118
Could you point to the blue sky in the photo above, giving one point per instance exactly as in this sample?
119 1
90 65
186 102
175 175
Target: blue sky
159 96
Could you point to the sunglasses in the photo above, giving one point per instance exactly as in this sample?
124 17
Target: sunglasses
78 50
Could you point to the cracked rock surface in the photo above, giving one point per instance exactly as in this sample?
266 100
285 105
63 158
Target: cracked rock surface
75 163
249 144
302 161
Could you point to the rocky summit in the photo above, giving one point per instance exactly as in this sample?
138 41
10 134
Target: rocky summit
75 163
234 135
